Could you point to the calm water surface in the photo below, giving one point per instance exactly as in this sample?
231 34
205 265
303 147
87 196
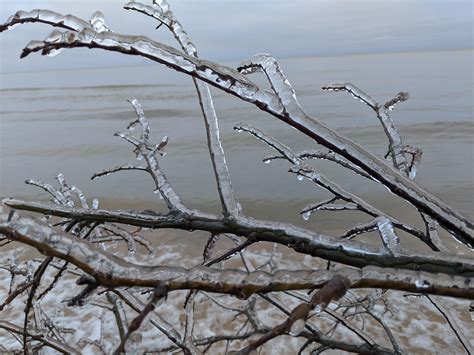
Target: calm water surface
63 121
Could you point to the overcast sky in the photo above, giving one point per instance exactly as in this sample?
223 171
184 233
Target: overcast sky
226 30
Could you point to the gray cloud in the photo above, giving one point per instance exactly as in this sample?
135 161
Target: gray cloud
230 30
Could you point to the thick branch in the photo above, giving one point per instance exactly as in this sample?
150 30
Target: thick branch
112 271
348 252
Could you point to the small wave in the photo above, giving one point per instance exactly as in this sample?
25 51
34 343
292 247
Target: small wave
97 87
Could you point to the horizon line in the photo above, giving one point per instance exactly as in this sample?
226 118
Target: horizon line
231 60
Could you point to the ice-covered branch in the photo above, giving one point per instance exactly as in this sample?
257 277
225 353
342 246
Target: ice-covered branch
367 347
416 154
361 205
281 148
295 323
111 271
221 171
360 229
432 230
39 336
235 83
147 151
350 201
304 241
394 138
331 156
158 293
278 81
52 18
107 172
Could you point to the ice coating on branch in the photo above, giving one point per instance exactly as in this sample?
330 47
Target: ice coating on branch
339 206
97 22
44 16
269 140
81 196
280 84
332 156
329 206
65 190
141 117
360 229
57 196
354 91
390 239
400 97
54 37
132 140
432 231
54 52
159 147
416 154
162 4
395 141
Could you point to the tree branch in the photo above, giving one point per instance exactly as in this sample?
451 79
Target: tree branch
235 83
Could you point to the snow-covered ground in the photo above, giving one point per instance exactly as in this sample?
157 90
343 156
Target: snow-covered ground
417 326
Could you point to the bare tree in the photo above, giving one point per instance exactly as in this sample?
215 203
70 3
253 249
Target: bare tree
349 285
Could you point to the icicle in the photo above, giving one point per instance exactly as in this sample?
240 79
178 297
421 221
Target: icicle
81 196
267 161
54 52
65 190
300 177
390 240
55 37
306 215
95 204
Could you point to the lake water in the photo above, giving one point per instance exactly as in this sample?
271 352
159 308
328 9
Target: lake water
63 121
